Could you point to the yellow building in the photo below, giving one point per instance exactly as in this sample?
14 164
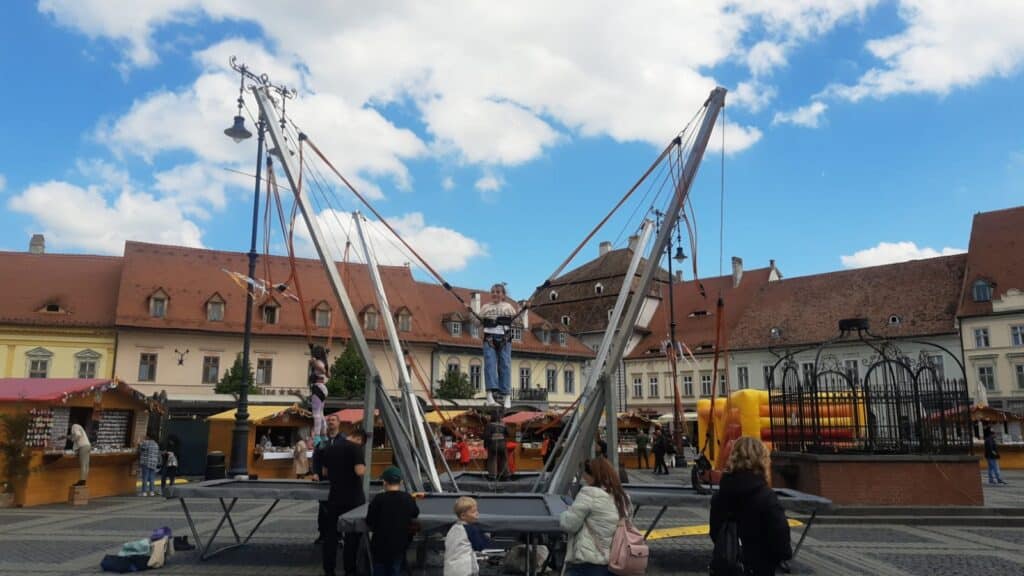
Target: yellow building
57 315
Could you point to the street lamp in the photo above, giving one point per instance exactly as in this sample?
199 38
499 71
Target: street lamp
240 434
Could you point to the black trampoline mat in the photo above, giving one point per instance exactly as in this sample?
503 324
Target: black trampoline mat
489 505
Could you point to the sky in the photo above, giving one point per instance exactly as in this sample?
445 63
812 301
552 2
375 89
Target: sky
494 137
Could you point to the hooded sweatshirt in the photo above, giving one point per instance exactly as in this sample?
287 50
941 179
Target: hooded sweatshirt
761 522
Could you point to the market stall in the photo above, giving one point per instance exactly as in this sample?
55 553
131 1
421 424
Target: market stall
523 429
113 415
452 427
1007 427
273 431
630 426
350 419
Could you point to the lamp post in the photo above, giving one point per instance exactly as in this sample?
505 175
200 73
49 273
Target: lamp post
679 256
240 434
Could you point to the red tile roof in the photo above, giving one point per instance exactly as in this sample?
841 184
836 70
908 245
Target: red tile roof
84 288
995 254
51 389
522 417
807 309
695 313
191 276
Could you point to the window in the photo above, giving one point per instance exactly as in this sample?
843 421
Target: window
688 386
743 377
1017 335
264 371
215 310
86 362
565 320
723 384
598 288
455 328
553 295
766 372
474 329
370 320
474 376
808 371
610 312
563 339
638 387
405 322
705 384
936 362
147 367
322 316
524 378
852 368
39 363
1019 369
158 306
981 337
987 377
982 291
270 314
698 313
453 366
570 382
552 380
211 369
517 333
653 391
545 336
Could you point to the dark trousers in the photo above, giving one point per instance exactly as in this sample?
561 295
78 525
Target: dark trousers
168 476
321 519
330 544
641 458
659 463
391 569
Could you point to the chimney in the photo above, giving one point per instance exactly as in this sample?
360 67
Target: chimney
475 302
633 240
604 248
37 245
679 275
773 271
737 271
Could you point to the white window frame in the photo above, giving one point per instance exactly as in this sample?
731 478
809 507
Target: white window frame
455 328
85 358
653 390
216 375
453 365
524 377
563 339
1018 370
688 385
723 384
981 338
566 320
42 358
569 381
270 314
517 333
405 322
322 316
264 377
766 374
638 387
158 306
988 382
551 380
599 289
743 377
981 291
371 320
476 371
1017 335
151 375
705 384
215 310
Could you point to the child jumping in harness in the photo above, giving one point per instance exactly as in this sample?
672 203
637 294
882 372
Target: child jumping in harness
318 389
497 316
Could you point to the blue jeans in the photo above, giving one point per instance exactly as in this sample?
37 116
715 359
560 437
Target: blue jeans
394 569
993 471
148 478
586 570
498 363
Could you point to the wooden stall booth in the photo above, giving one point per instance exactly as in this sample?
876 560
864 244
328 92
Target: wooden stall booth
350 419
1007 427
523 429
630 426
113 415
273 431
452 427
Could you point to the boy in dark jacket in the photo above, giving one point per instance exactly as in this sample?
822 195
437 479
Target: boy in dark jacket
391 517
745 496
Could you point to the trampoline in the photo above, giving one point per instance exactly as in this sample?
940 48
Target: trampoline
520 482
229 491
664 496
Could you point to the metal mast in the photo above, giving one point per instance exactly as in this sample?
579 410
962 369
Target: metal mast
589 416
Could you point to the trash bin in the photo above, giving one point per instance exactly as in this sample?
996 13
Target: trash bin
215 466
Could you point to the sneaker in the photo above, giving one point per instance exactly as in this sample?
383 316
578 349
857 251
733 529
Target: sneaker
1002 482
508 402
490 400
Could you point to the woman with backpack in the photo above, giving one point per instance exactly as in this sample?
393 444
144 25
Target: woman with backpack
593 518
746 507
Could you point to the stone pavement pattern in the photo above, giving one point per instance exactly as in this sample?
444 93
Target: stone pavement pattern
61 540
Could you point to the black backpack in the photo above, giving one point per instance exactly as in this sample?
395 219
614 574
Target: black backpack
727 557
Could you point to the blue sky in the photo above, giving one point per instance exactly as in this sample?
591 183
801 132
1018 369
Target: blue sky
495 138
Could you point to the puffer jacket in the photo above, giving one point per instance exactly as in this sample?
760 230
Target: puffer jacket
593 508
459 558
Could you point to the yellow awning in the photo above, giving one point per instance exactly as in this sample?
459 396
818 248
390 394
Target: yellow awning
258 414
435 416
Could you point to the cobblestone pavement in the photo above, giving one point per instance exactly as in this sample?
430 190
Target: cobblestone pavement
61 540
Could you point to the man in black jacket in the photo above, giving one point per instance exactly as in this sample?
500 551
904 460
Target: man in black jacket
992 457
345 467
334 437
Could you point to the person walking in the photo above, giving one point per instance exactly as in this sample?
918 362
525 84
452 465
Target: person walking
746 497
82 447
992 457
345 467
149 461
592 519
659 453
642 443
169 473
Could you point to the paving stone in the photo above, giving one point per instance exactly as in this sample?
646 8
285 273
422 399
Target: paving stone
934 564
860 534
1009 535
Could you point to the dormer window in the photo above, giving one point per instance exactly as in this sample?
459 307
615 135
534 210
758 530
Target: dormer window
698 313
370 319
553 295
215 309
270 313
474 330
158 304
517 333
598 288
982 291
562 339
545 336
404 321
455 328
565 320
322 315
52 308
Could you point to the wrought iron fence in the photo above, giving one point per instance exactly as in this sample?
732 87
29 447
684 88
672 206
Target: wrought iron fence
901 406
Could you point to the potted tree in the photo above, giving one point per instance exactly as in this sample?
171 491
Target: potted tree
13 432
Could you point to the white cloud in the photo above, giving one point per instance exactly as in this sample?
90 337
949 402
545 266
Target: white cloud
198 188
891 252
807 116
753 96
3 182
444 248
945 46
489 185
73 217
448 183
765 56
487 132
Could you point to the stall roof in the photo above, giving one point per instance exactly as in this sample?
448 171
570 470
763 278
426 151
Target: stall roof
54 389
259 414
522 417
439 416
352 415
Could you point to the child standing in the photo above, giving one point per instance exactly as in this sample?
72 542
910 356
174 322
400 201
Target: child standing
149 461
390 518
464 540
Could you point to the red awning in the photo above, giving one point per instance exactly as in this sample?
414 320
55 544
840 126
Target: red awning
50 389
522 417
351 415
